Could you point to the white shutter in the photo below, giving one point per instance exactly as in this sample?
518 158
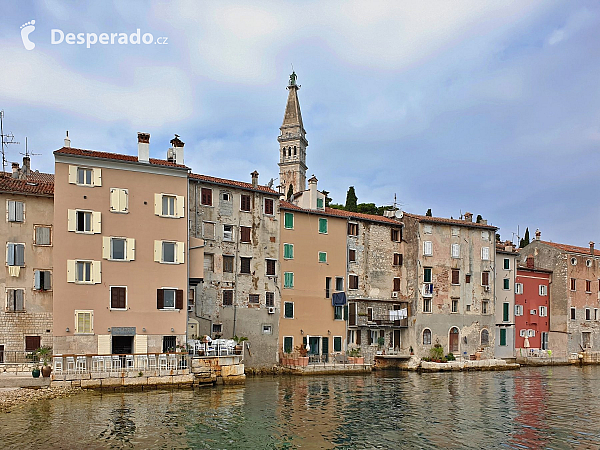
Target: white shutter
455 250
114 199
73 174
72 220
123 200
180 205
158 204
37 284
96 272
97 174
104 344
428 248
485 253
130 249
71 268
96 222
157 251
47 280
180 252
105 247
141 343
12 215
20 211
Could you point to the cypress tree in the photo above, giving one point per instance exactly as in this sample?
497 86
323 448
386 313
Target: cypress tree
351 200
525 240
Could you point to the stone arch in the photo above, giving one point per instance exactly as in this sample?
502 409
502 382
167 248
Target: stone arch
485 337
426 336
454 340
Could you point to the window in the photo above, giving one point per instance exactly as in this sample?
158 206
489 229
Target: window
322 225
288 280
271 266
352 229
588 314
506 264
84 221
206 196
32 343
485 278
427 229
573 311
588 286
503 337
468 278
85 176
426 336
267 329
245 202
485 253
15 254
530 333
370 314
15 300
288 344
595 313
544 311
573 261
396 235
397 259
506 284
168 252
518 310
288 219
339 283
270 299
352 281
427 304
254 298
84 271
226 197
427 275
327 287
288 310
523 333
586 339
396 284
319 200
42 280
169 205
169 298
42 235
351 255
505 311
119 200
288 251
244 265
573 284
227 298
228 233
485 338
337 343
217 327
485 235
269 206
455 276
543 290
485 307
245 234
209 262
322 257
208 230
169 344
337 312
455 231
84 322
454 305
428 248
468 308
117 248
518 288
118 297
544 340
16 211
588 263
456 250
227 264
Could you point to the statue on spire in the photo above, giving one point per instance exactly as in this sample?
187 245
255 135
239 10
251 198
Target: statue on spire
293 77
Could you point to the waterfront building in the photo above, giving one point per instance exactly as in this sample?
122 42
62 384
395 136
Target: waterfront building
505 275
239 292
121 250
26 283
532 307
454 302
573 304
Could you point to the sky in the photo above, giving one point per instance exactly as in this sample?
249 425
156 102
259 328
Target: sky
490 107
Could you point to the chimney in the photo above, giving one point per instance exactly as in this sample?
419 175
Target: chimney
468 217
312 189
592 248
177 149
538 235
530 262
15 170
26 166
254 179
144 147
67 140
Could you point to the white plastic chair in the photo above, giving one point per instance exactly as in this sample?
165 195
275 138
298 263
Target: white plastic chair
116 363
97 364
152 362
162 362
57 362
70 364
81 365
172 362
107 363
142 361
128 362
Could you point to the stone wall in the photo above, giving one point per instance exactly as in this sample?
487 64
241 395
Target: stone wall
14 326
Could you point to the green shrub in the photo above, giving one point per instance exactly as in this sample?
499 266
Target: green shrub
436 352
450 357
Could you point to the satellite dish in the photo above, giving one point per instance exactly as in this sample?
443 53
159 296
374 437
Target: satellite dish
399 214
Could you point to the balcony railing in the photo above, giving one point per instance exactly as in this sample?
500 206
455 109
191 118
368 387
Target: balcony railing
136 362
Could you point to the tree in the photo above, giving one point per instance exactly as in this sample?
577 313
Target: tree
328 199
428 213
367 208
479 218
525 241
336 206
290 192
351 200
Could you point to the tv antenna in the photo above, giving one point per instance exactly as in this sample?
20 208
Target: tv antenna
6 140
27 154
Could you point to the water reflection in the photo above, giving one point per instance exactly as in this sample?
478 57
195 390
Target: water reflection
530 408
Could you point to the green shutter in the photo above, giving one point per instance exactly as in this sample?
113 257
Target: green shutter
319 203
346 312
506 283
505 312
506 263
337 344
322 225
288 251
289 310
287 344
503 336
323 257
288 280
289 220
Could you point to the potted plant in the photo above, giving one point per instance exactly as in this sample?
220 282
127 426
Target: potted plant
354 356
436 353
36 370
239 346
44 353
303 358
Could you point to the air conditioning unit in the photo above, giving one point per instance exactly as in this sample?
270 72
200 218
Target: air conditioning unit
394 295
271 310
533 311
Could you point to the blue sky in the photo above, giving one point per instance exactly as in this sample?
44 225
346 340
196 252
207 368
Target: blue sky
488 107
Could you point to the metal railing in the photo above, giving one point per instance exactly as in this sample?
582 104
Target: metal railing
17 357
330 359
135 362
218 347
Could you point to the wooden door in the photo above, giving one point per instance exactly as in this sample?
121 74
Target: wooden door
453 347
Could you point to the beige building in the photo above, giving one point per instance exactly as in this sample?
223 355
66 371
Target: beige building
120 246
26 282
507 259
239 291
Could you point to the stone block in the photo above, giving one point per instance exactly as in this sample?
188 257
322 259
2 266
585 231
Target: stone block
91 384
111 382
160 381
232 370
183 379
236 379
137 381
60 384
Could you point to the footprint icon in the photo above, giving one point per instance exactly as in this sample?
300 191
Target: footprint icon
26 30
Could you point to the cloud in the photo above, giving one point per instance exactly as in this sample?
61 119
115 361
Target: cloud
576 21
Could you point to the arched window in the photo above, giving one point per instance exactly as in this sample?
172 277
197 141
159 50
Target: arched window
295 150
453 344
426 336
289 151
485 338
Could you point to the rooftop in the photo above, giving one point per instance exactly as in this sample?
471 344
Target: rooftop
341 213
233 183
462 223
113 156
571 248
36 184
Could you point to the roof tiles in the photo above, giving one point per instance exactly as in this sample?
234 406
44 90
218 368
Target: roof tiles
116 156
233 183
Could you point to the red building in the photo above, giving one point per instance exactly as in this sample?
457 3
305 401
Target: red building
532 303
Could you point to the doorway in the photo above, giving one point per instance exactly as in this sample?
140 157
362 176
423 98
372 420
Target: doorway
396 343
453 346
122 345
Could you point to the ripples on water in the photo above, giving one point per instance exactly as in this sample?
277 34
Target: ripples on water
531 408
